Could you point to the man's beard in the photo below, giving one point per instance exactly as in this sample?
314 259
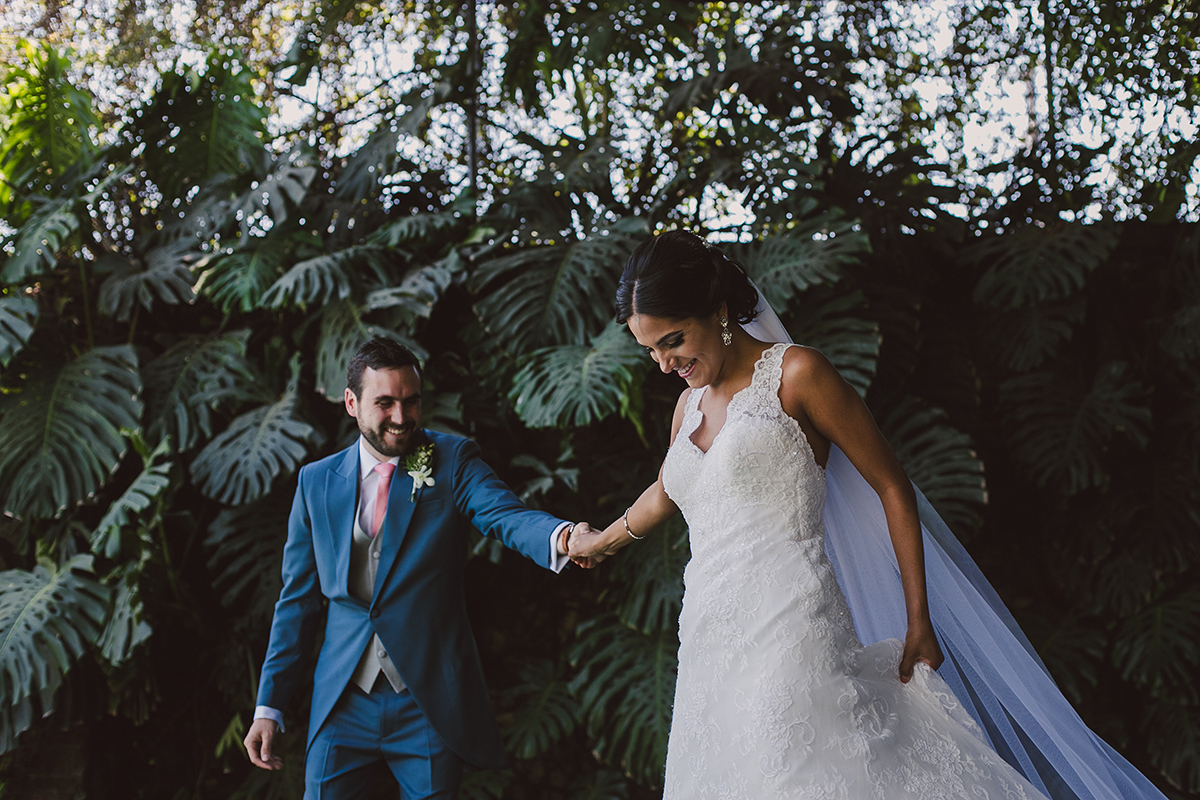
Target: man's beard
376 440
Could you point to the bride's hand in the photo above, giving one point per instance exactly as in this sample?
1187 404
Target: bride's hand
920 644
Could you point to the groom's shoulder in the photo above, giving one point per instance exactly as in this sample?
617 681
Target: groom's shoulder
446 442
329 463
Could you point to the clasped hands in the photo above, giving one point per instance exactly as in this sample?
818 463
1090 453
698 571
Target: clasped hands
587 546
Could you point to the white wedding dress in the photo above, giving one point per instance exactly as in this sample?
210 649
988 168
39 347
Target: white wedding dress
776 697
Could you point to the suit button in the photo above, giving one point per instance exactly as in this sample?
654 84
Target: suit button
382 654
375 554
375 613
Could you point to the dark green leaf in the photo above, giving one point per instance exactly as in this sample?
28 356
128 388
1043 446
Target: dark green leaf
651 585
245 549
1060 428
61 433
545 711
626 687
236 281
1036 263
18 316
574 385
141 494
836 323
1024 338
241 463
162 273
606 784
48 618
1159 648
326 278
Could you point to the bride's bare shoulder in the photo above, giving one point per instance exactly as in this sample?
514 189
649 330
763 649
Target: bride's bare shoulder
680 408
806 372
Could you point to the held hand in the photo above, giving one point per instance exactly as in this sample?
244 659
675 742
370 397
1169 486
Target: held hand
259 742
920 644
584 546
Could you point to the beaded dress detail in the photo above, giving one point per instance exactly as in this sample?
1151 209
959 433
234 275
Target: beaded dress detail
776 697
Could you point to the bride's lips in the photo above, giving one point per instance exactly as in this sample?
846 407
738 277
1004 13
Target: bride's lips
686 372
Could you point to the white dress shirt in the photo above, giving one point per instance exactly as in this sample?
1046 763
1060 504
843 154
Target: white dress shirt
368 483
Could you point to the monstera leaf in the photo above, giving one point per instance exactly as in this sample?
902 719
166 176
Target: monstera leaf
1024 338
240 464
127 627
343 330
811 253
939 460
237 280
418 227
1072 650
141 494
245 547
38 241
420 289
1172 729
185 382
1060 428
652 584
326 278
48 618
18 315
546 294
545 711
835 322
285 181
60 435
626 686
163 273
575 385
1159 648
1036 263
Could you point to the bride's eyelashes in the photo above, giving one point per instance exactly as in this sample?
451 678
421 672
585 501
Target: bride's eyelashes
668 346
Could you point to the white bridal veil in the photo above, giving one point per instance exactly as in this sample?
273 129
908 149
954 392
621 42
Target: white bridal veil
990 664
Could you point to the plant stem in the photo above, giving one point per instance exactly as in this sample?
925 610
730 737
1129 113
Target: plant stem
87 311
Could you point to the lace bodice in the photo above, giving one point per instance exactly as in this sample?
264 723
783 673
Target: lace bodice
776 698
760 458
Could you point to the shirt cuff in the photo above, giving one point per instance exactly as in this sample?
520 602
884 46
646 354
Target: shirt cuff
558 560
266 712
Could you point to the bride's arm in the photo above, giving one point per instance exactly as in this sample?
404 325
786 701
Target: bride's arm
651 509
812 391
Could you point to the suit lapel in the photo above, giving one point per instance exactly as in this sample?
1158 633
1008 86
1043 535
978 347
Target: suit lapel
395 522
341 501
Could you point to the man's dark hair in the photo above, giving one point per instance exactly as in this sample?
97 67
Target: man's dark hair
379 353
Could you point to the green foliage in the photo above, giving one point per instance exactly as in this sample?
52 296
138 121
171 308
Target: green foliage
1173 732
238 279
810 253
326 278
18 316
574 385
835 322
240 464
545 711
625 686
188 378
47 122
61 434
1024 338
1037 263
245 546
940 461
606 784
144 492
1061 428
1159 648
199 124
36 246
127 627
650 587
162 273
48 618
543 295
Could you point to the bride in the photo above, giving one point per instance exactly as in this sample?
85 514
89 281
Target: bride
808 635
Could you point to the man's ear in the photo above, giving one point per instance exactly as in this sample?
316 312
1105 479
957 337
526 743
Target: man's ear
351 403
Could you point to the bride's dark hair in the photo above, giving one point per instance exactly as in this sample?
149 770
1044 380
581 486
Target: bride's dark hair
678 275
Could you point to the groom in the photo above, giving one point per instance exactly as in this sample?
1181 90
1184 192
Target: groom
379 531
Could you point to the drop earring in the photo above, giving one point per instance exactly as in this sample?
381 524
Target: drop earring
726 336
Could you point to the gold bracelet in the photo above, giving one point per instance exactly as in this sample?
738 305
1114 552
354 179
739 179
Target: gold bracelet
625 519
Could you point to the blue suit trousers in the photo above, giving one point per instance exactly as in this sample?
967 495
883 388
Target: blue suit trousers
364 730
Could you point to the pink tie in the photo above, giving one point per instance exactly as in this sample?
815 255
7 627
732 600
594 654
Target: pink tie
381 493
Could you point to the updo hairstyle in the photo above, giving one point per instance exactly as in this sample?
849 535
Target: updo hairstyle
678 275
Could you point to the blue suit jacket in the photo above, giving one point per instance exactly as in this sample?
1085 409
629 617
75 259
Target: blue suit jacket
418 608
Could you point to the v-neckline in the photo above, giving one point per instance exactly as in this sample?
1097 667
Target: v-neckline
704 390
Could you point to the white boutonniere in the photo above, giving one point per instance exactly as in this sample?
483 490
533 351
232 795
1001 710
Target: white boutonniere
420 467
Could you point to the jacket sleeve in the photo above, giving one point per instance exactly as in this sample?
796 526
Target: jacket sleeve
297 612
496 511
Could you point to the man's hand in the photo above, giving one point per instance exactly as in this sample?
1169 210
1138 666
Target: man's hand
259 744
584 546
